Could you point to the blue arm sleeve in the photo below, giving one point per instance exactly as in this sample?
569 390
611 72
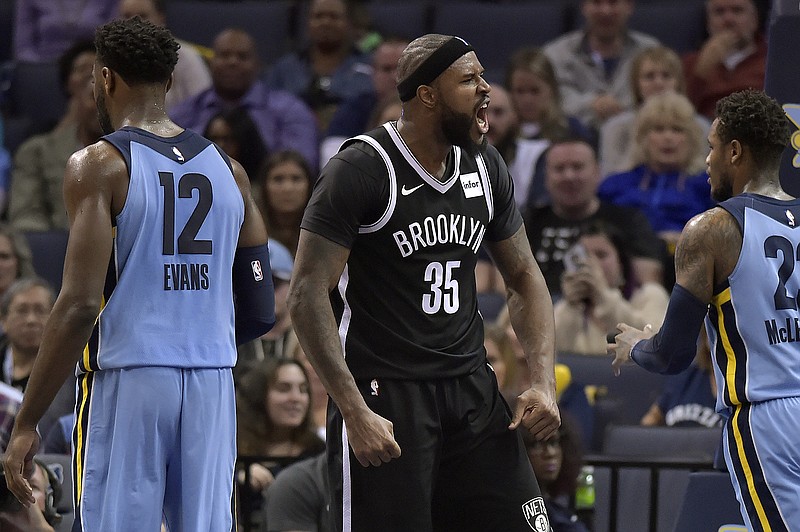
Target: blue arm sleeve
253 293
673 348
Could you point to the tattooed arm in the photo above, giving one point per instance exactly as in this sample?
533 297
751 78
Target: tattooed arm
706 254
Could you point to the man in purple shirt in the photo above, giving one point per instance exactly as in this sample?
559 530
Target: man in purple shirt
283 120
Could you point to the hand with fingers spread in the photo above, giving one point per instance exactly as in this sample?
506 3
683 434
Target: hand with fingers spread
623 344
537 411
18 463
371 437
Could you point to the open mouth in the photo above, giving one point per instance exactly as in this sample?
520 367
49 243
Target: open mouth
482 118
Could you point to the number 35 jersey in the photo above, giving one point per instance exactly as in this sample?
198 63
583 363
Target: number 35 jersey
406 302
168 299
753 321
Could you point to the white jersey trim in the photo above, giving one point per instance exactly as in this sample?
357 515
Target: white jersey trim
387 214
487 186
347 312
437 185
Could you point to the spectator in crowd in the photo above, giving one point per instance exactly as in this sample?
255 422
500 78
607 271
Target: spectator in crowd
286 183
44 29
572 176
277 342
688 398
58 440
361 113
598 292
283 120
40 516
557 462
319 397
299 499
191 74
331 69
653 71
668 181
5 177
235 132
10 399
521 155
24 309
536 96
352 116
593 63
37 177
15 258
74 72
501 356
531 80
274 420
733 58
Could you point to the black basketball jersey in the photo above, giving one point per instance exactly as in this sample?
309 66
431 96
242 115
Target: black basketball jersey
406 302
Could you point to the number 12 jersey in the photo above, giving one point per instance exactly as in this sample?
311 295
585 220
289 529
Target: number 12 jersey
168 299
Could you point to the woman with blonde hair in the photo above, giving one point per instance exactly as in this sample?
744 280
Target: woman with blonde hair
531 81
653 71
535 96
668 181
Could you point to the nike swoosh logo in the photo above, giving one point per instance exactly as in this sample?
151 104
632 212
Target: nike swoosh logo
406 191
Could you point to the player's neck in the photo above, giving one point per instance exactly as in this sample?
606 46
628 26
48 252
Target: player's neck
431 152
144 111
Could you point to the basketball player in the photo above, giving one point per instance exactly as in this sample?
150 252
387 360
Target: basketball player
392 233
163 235
735 267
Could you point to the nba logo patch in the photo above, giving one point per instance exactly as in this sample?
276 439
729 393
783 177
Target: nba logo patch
536 515
258 274
471 184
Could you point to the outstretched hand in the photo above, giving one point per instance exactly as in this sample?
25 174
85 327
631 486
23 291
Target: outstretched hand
623 344
18 463
537 411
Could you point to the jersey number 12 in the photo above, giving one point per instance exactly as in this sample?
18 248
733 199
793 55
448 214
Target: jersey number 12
187 240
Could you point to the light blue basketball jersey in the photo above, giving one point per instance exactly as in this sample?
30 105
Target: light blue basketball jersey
168 299
753 321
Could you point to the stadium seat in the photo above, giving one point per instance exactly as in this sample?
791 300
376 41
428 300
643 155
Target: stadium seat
401 19
679 24
497 30
619 400
267 22
633 488
6 29
35 93
699 511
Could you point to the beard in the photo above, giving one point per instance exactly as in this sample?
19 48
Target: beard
723 192
456 128
102 114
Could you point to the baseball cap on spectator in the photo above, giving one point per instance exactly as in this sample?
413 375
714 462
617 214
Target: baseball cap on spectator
280 261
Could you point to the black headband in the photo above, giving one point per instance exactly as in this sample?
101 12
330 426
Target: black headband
434 65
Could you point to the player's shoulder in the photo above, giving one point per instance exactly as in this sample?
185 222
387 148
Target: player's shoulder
365 154
100 157
710 230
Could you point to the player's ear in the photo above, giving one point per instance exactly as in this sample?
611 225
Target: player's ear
736 149
109 79
427 95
